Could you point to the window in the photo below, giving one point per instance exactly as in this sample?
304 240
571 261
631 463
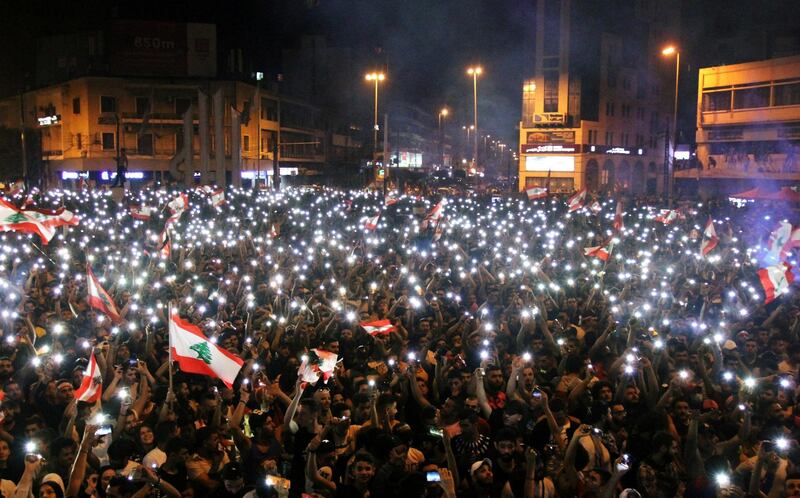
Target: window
142 106
269 109
550 91
108 141
108 104
182 105
716 101
78 141
751 98
144 145
246 144
609 138
76 105
609 108
592 136
787 94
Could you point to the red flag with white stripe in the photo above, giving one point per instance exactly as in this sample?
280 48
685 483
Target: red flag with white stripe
372 223
536 193
197 355
141 212
576 201
98 297
710 239
218 198
391 198
619 225
776 280
601 252
669 216
165 244
435 215
92 384
595 207
378 327
317 363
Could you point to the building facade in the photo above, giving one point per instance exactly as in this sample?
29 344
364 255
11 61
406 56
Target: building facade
85 123
748 127
595 110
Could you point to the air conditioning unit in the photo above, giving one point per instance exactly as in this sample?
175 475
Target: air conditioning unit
552 118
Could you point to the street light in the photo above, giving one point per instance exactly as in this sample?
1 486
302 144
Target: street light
668 51
475 71
442 114
377 78
468 128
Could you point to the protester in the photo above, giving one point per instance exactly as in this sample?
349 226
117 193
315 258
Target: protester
336 344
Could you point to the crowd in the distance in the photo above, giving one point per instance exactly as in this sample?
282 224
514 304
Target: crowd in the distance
515 365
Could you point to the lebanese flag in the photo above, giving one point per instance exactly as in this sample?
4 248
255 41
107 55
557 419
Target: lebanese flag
536 193
778 241
92 384
378 327
775 280
601 252
372 223
317 363
39 221
435 215
391 198
141 212
668 216
197 355
218 198
576 201
98 297
619 225
595 207
179 204
710 239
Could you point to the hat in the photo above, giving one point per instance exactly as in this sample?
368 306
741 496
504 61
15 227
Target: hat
54 481
729 345
710 404
743 334
480 463
232 472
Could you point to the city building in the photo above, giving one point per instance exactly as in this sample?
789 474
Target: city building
596 110
122 92
748 127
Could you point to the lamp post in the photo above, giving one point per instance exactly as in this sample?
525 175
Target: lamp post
475 71
668 51
376 78
468 128
442 115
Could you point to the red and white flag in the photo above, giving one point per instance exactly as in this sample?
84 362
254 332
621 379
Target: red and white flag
435 215
776 280
595 207
177 206
669 216
536 193
779 241
576 201
196 354
391 198
601 252
378 327
218 198
372 222
710 239
317 363
619 225
92 384
142 212
98 297
42 222
439 230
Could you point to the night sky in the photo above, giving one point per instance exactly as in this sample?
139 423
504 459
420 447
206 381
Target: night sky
426 44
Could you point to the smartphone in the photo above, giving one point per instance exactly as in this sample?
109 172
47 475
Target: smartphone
103 430
435 432
536 393
433 476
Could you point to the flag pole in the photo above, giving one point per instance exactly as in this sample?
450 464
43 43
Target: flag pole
169 341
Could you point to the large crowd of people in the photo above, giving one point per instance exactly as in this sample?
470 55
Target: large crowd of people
481 349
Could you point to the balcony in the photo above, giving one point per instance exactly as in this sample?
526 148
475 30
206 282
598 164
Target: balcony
154 118
771 166
750 116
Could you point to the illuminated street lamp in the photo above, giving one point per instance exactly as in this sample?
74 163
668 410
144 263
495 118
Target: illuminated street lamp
669 51
442 114
475 71
377 78
468 129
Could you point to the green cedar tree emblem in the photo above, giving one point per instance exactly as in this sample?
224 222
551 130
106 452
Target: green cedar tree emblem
203 353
